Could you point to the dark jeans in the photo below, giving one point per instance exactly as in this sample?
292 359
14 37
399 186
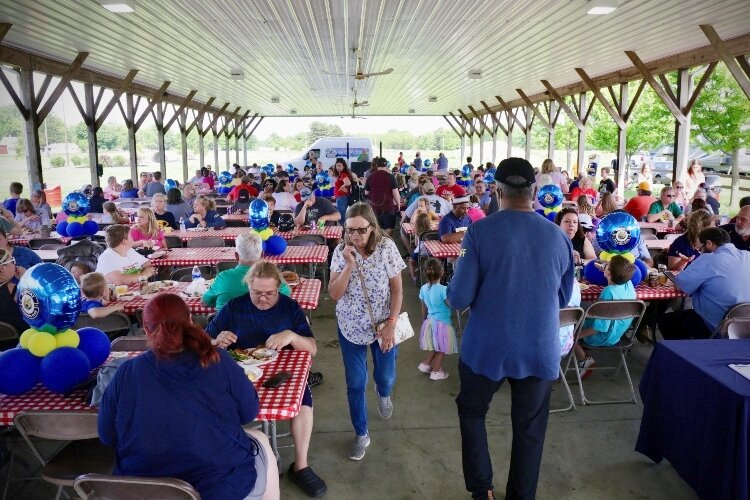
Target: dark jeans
685 324
529 413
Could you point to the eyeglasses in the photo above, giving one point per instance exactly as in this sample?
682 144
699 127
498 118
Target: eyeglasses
267 295
669 195
11 262
358 230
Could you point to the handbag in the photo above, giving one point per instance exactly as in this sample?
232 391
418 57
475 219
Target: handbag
403 328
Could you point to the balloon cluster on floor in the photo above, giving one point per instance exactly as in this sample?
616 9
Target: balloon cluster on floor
273 244
76 206
225 179
550 197
50 352
618 233
323 187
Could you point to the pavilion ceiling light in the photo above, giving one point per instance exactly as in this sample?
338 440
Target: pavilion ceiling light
600 7
275 99
118 6
432 99
412 111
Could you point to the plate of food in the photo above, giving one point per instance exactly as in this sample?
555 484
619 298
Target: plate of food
157 255
253 372
584 286
291 278
255 356
197 229
157 286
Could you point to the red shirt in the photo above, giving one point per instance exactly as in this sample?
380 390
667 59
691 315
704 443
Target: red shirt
457 190
583 192
235 192
337 192
380 185
638 206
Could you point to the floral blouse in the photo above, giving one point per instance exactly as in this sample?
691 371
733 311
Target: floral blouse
351 311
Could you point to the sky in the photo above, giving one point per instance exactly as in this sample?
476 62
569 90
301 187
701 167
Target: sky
65 107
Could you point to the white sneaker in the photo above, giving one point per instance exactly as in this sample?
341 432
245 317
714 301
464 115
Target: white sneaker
583 366
438 375
359 447
424 368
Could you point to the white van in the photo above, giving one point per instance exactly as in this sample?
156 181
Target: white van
327 149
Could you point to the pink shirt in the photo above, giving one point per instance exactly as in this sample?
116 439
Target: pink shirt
475 214
137 235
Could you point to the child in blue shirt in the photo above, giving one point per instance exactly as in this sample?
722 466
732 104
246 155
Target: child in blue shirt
603 332
437 335
96 296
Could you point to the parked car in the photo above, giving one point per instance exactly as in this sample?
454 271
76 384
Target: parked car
661 171
722 163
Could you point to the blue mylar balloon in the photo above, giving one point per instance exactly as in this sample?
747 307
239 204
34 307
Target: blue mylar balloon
308 163
641 270
466 171
404 168
267 169
258 212
290 169
19 371
224 190
75 229
62 228
49 297
427 163
170 184
64 368
550 196
90 227
76 204
489 177
320 179
225 177
618 232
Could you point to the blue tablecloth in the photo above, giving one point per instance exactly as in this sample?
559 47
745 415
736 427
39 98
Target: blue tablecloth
696 414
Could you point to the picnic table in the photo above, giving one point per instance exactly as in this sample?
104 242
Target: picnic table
642 292
275 404
181 257
307 294
23 240
661 227
408 227
230 233
442 250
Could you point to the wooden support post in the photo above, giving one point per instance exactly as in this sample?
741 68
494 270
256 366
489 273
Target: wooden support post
511 126
159 120
90 120
216 150
529 111
31 127
552 120
682 129
622 158
182 123
132 146
201 148
237 141
494 144
582 112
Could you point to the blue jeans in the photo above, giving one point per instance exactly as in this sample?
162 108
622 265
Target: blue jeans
355 369
342 203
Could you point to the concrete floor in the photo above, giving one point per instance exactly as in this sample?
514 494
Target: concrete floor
417 453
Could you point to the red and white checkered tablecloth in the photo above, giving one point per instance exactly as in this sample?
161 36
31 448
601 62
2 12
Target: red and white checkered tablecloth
275 404
227 234
181 257
307 294
661 227
317 254
642 292
329 232
443 250
408 227
23 240
237 217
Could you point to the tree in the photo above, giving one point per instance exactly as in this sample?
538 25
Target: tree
319 129
54 132
11 124
80 136
721 121
112 137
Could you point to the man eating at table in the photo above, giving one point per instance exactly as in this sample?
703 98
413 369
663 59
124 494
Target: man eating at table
453 226
265 317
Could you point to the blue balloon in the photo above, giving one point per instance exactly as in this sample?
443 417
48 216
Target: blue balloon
404 169
550 196
489 178
49 297
258 214
90 228
492 171
267 169
641 272
618 232
466 171
318 193
290 169
64 368
62 228
308 163
275 245
593 274
75 229
551 216
540 211
19 371
76 204
427 163
224 190
323 179
95 345
170 184
225 177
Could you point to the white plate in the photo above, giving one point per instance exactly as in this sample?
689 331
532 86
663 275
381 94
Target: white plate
257 362
197 229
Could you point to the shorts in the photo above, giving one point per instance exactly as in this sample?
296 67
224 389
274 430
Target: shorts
261 466
307 396
386 220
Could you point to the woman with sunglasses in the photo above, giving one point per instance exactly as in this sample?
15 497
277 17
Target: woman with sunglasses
369 260
39 200
9 310
24 257
28 218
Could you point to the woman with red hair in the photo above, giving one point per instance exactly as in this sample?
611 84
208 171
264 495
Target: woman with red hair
177 410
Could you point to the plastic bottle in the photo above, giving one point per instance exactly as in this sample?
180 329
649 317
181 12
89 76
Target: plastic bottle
196 273
182 224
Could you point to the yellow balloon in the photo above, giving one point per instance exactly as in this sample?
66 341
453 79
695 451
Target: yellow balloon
42 343
68 338
605 256
629 256
266 233
25 336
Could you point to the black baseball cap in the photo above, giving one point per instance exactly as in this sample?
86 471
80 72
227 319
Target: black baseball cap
515 167
381 161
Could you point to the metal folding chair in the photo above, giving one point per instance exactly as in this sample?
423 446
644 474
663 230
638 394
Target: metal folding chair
114 325
310 240
205 242
741 310
426 236
610 310
92 486
173 241
569 316
130 343
738 328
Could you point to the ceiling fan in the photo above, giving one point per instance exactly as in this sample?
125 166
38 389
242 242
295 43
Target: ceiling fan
360 74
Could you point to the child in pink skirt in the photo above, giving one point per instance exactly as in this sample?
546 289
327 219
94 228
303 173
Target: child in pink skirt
437 335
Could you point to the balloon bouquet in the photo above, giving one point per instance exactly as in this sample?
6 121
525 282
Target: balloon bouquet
76 206
618 233
551 198
273 244
465 179
426 165
267 169
50 352
171 184
225 179
324 188
292 172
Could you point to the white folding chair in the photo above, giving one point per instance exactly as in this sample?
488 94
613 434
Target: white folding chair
569 316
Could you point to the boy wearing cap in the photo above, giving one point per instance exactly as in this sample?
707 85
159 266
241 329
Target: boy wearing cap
452 227
314 209
639 205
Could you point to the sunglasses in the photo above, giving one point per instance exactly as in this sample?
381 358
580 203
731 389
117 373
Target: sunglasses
12 261
669 195
359 230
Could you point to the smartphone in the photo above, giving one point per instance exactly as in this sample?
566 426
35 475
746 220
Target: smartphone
276 380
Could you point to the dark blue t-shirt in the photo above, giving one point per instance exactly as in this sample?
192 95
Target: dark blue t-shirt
174 418
88 304
450 223
10 204
253 326
683 246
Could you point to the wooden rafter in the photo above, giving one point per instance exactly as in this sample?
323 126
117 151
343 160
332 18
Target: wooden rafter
179 110
151 103
42 90
247 124
603 100
14 96
78 104
612 94
536 111
451 125
494 117
484 125
699 87
658 89
511 114
227 119
633 102
238 122
4 29
743 78
212 124
99 96
116 97
667 87
61 85
199 115
256 126
564 106
744 64
459 123
469 122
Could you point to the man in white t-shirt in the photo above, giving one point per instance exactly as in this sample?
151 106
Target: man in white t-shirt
119 263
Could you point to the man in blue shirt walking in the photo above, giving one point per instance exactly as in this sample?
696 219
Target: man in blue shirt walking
515 272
